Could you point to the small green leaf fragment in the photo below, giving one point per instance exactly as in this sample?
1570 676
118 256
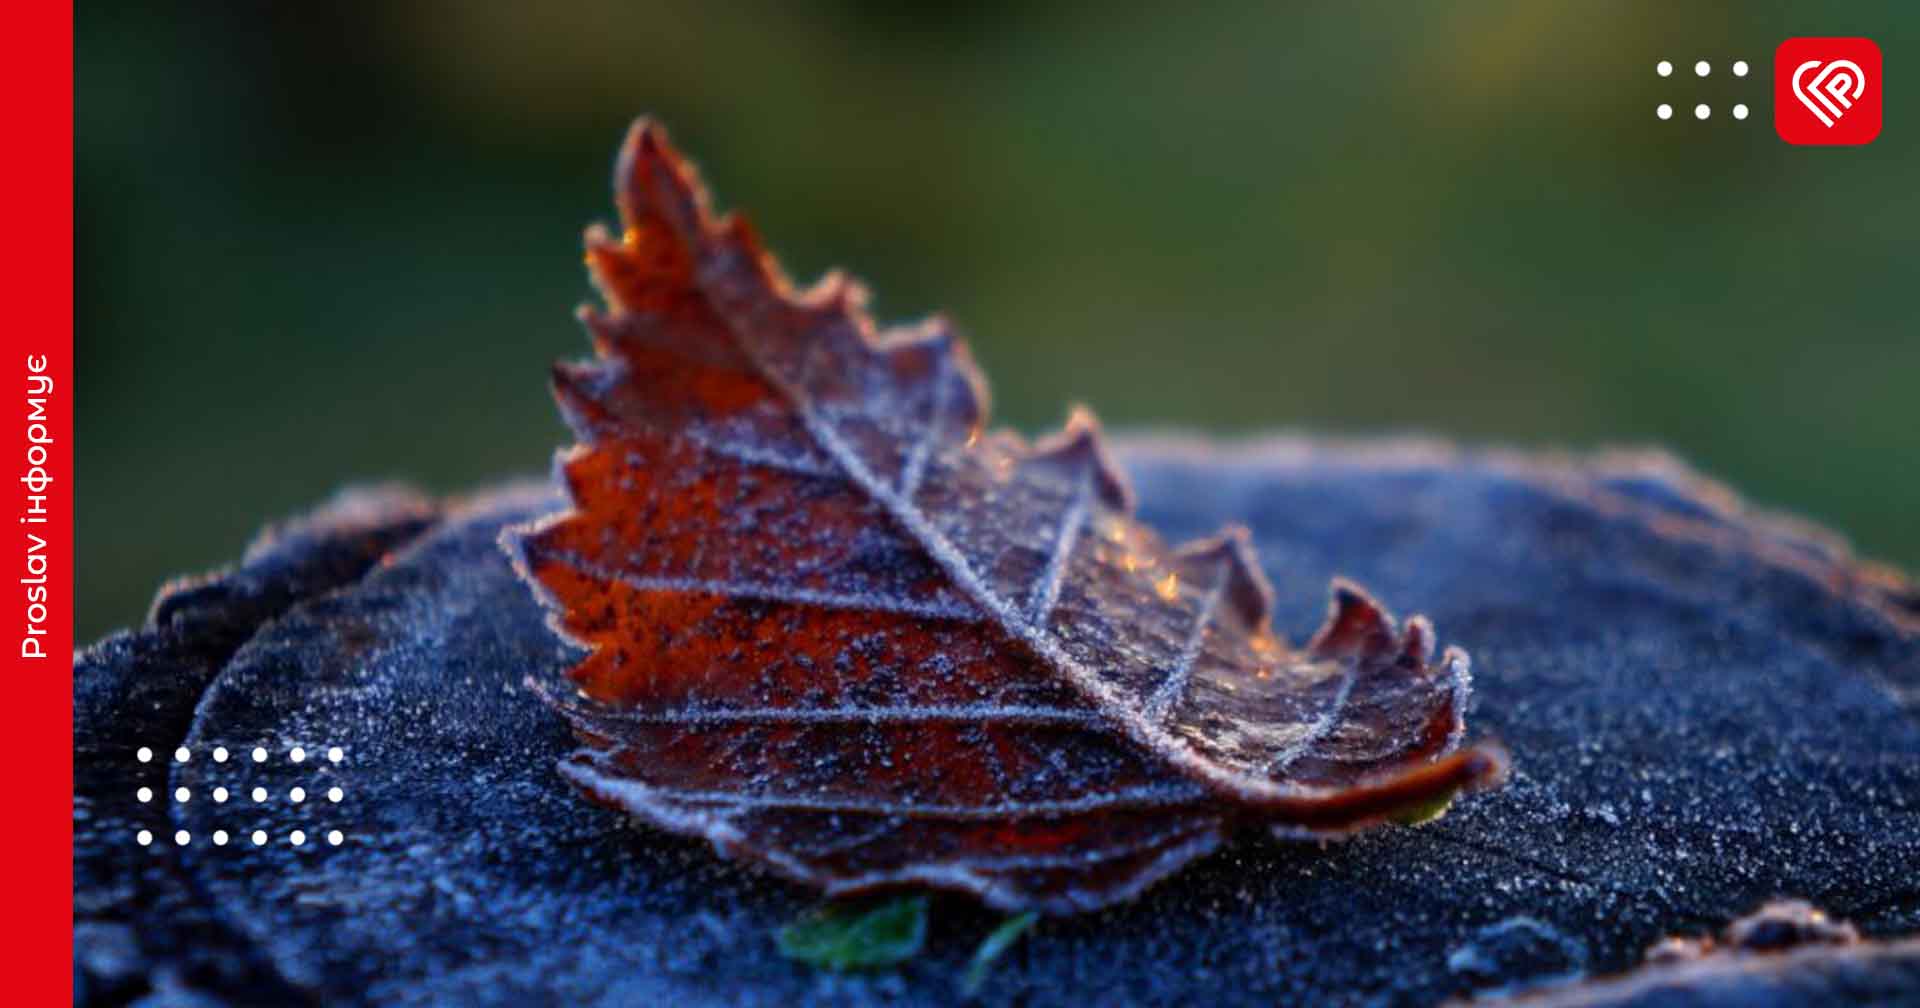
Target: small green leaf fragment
849 936
1426 812
991 948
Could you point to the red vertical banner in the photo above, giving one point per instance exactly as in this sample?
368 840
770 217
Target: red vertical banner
37 372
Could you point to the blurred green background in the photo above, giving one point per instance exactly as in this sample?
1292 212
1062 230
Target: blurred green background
326 243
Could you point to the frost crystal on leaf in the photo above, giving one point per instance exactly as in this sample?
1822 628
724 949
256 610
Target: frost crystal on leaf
838 627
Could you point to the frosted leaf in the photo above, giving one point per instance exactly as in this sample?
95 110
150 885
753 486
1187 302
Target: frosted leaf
837 626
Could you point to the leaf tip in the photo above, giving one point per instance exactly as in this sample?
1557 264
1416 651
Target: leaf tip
1355 624
1416 644
646 142
1228 557
652 179
1486 766
1077 451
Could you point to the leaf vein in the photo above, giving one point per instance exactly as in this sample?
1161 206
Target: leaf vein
1046 591
770 592
1160 705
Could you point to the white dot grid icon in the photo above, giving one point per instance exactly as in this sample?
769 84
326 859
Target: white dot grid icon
221 754
1701 111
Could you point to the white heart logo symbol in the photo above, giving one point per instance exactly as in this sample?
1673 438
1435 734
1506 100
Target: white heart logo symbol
1832 91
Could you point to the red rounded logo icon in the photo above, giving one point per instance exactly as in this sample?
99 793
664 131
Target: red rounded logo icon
1826 91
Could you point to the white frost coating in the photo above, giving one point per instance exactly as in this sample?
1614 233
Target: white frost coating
628 792
1121 709
980 876
1160 705
916 466
1322 725
754 455
1460 667
838 715
1046 591
719 824
771 592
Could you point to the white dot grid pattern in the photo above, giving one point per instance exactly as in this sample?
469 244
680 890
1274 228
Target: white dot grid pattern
1701 68
297 754
220 754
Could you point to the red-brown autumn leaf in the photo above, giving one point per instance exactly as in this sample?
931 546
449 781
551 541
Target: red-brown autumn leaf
837 627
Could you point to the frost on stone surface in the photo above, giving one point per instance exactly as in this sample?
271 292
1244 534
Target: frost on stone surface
1787 953
838 627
